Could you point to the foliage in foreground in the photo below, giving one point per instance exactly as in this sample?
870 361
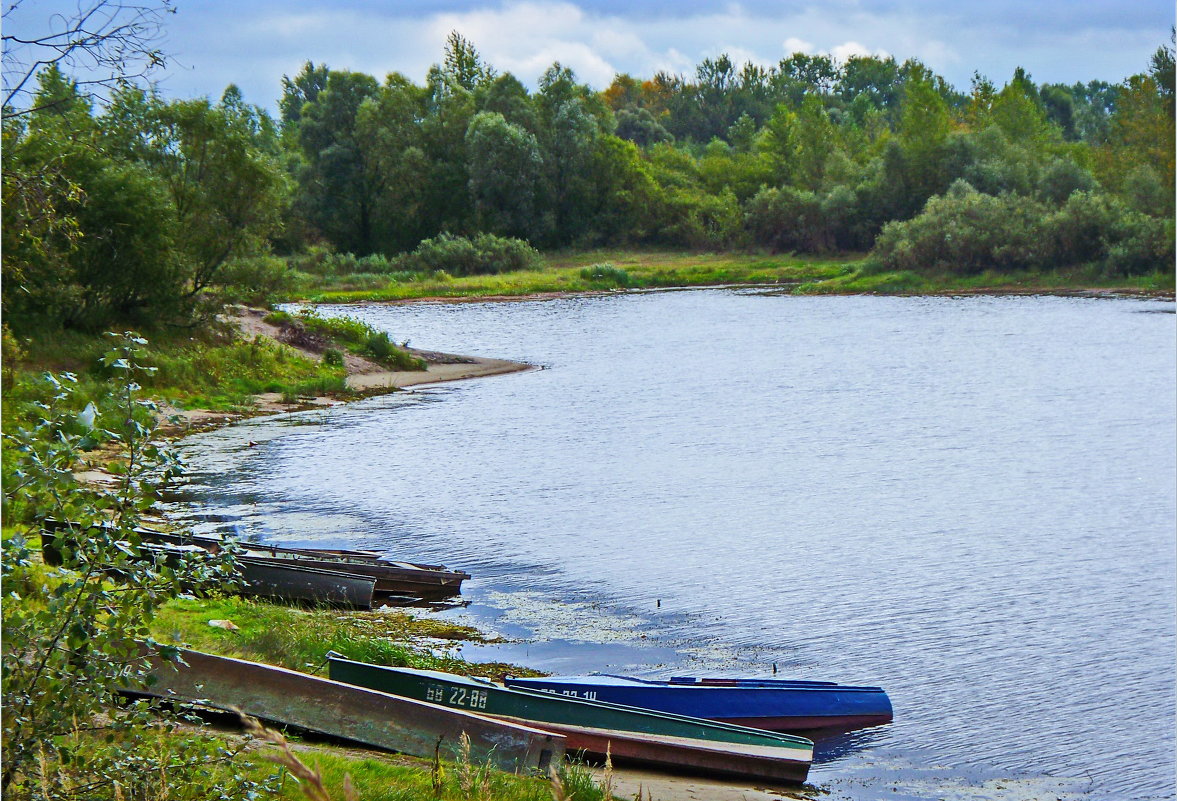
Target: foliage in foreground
71 632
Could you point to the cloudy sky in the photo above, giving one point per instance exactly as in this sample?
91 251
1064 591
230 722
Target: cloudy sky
253 43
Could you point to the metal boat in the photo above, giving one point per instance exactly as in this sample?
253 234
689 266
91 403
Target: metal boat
666 741
774 704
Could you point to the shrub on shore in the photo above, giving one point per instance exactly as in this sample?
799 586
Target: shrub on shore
605 274
483 254
965 232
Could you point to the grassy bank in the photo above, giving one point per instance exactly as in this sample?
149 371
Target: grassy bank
602 270
584 271
219 372
299 638
861 279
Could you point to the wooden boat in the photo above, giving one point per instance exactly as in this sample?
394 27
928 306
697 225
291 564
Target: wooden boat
627 734
297 582
344 710
774 704
393 579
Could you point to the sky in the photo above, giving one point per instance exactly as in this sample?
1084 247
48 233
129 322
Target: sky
253 43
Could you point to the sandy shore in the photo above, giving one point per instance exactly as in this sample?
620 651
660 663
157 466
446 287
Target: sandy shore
363 376
468 367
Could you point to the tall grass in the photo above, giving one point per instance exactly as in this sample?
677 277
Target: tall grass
358 337
596 270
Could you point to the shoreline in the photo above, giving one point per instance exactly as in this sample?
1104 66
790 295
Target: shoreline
780 286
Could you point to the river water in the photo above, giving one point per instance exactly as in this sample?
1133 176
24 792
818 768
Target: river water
968 501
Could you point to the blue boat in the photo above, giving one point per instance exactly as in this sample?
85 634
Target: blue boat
774 704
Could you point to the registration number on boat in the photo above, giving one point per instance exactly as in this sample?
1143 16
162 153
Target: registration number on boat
456 696
588 695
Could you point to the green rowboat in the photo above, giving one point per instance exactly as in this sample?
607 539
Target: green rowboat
625 733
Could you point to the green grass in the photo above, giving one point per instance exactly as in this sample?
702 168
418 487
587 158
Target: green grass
299 638
860 279
570 272
383 778
389 777
612 269
207 372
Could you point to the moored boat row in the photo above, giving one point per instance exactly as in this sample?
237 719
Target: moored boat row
625 733
516 728
336 577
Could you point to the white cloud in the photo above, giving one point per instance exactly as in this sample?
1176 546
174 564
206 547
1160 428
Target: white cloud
794 45
848 50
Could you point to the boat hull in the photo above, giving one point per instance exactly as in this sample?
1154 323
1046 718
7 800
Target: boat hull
393 579
773 705
665 741
295 582
343 710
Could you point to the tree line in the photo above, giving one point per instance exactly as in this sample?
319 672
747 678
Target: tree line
132 210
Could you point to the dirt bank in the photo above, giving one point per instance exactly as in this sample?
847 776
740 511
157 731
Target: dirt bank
364 376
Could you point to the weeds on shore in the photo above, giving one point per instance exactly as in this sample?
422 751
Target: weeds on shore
358 337
584 271
199 372
299 639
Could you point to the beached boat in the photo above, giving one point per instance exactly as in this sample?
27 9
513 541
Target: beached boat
393 580
774 704
666 741
344 710
265 578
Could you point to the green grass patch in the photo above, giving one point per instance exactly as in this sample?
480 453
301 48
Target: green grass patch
210 371
300 638
868 279
595 270
356 336
606 269
382 778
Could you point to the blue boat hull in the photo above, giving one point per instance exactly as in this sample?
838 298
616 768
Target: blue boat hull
776 705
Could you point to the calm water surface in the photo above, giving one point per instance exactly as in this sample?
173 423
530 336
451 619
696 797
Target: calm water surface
967 501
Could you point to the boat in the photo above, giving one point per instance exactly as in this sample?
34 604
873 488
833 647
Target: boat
624 733
394 581
296 582
365 716
773 704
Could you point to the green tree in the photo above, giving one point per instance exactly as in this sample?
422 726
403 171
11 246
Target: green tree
303 88
505 167
340 186
924 124
388 135
1017 110
220 164
462 65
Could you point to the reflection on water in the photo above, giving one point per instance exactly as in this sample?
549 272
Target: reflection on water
968 501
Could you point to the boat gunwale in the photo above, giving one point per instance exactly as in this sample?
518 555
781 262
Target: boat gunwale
783 740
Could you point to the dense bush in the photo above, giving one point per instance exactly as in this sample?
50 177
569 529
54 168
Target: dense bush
322 262
965 232
797 219
458 255
257 281
605 274
701 221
